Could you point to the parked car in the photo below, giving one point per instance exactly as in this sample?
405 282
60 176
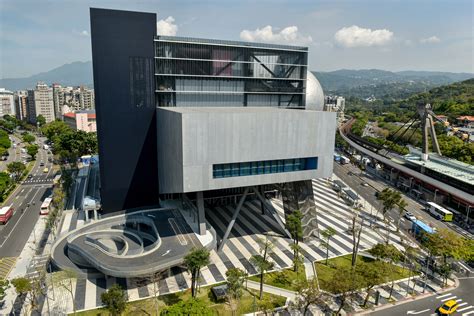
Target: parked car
41 164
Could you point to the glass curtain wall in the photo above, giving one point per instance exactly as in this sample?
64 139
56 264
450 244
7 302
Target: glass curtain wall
195 73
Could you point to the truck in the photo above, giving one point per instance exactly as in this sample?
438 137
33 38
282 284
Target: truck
6 213
45 147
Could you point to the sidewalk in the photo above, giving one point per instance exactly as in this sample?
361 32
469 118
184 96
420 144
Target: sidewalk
23 262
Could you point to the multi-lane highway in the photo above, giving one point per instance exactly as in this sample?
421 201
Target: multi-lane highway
366 185
428 306
26 201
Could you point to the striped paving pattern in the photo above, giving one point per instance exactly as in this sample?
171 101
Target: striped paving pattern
6 265
249 227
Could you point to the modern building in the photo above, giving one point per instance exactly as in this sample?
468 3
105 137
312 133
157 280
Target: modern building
7 103
21 104
81 120
200 119
465 121
184 124
40 102
68 99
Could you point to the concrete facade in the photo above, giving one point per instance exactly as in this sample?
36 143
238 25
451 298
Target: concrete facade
191 140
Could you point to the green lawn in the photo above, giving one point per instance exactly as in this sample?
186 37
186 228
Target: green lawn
147 306
325 272
286 278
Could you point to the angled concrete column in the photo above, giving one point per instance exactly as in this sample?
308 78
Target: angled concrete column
201 214
272 211
232 221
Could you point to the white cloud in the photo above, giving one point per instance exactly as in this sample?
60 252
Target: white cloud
430 40
354 36
84 33
288 35
166 27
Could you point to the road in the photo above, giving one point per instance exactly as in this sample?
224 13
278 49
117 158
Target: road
354 177
27 197
429 305
14 153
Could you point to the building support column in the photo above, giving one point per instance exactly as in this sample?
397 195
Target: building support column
232 221
272 211
201 214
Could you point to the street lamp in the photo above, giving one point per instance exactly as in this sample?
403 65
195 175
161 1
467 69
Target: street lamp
434 199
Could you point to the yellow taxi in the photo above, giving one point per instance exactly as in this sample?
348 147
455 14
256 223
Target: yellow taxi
45 170
448 308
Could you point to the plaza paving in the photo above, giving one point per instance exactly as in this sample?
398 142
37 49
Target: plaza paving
241 245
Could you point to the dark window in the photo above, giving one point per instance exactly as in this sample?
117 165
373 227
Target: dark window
264 167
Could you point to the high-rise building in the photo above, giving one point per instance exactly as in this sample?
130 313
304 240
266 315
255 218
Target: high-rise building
7 103
21 104
203 119
40 102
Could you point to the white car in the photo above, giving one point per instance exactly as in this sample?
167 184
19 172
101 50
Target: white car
410 216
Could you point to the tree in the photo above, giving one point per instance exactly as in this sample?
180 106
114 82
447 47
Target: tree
16 168
32 150
344 282
261 260
293 224
450 246
372 275
3 288
115 300
40 120
327 235
235 285
28 138
307 294
190 307
356 231
64 280
194 261
389 199
390 254
22 286
401 209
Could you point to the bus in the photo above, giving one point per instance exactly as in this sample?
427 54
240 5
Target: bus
419 228
439 212
44 210
6 213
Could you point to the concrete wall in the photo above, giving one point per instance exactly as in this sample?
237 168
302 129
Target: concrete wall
190 142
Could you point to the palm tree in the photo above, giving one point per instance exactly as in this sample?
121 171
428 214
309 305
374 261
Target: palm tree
194 261
327 234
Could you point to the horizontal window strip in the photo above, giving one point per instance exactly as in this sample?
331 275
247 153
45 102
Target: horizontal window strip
239 169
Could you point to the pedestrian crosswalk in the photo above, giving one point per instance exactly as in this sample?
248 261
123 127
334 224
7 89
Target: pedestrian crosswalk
243 243
464 308
36 181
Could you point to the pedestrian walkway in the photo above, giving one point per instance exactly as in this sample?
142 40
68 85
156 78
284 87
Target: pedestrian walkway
6 265
242 244
464 308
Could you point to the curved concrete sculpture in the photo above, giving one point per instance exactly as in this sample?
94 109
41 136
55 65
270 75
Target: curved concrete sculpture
128 245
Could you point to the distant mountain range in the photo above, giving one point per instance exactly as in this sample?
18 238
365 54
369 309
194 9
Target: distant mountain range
384 84
73 74
359 83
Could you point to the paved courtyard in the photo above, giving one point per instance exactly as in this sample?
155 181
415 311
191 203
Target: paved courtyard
241 245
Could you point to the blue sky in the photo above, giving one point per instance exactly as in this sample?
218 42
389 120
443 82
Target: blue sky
38 35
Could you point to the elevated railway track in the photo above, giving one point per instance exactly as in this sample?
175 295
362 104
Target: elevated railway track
389 159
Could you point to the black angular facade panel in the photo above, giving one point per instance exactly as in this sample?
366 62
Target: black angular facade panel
123 67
